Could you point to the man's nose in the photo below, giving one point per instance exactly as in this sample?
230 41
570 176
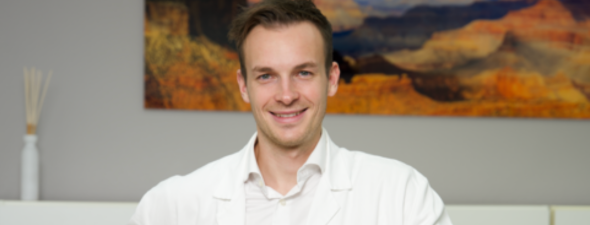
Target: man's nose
287 92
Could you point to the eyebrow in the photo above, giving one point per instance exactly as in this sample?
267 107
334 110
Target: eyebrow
262 69
298 67
305 65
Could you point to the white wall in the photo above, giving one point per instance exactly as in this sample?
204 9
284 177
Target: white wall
98 143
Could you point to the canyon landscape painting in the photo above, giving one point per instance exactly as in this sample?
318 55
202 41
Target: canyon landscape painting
493 58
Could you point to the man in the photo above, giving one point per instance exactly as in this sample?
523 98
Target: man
290 172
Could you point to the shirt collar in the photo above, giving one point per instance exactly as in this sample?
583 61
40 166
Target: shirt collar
318 157
336 168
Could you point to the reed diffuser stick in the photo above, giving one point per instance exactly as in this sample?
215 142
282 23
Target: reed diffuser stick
27 104
43 96
34 95
34 98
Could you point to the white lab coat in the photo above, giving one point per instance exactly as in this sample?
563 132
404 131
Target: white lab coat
356 188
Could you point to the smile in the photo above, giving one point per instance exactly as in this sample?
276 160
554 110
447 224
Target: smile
288 115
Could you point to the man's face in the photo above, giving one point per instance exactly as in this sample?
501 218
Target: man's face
286 82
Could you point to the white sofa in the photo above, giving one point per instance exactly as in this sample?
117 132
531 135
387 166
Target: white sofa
65 213
106 213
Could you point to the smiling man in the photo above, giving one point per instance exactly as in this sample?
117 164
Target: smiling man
290 172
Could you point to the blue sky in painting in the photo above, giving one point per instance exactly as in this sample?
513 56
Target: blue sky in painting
384 8
394 3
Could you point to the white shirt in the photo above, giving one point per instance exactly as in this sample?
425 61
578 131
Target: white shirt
354 188
265 206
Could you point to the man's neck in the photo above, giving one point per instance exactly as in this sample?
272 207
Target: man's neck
279 165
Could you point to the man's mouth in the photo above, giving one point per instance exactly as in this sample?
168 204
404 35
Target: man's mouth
287 115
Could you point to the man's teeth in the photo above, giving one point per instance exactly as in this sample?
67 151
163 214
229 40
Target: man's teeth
288 115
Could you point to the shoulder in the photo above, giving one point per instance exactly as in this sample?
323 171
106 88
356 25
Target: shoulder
163 202
400 184
196 184
371 171
201 180
362 162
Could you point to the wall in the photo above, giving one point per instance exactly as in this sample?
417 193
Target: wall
98 143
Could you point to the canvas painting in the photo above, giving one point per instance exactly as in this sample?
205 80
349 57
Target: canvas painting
493 58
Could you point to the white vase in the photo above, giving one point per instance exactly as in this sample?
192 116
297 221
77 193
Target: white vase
30 169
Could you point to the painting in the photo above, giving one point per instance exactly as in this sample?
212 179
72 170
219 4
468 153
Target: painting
492 58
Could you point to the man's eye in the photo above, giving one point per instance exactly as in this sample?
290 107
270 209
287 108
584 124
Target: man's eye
304 73
264 77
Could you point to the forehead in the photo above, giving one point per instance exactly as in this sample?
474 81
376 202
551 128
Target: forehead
283 46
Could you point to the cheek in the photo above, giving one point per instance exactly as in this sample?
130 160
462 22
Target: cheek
260 96
315 93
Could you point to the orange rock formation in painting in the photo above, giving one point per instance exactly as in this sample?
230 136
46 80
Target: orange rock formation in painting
184 72
532 63
498 93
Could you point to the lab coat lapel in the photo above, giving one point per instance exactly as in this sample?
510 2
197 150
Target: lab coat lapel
231 200
231 212
324 206
327 200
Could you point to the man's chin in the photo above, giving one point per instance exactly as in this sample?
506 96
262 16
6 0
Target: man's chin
288 139
289 136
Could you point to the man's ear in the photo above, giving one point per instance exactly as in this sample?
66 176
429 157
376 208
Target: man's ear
333 79
242 86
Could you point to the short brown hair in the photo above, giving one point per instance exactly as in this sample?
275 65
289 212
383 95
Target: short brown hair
269 13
